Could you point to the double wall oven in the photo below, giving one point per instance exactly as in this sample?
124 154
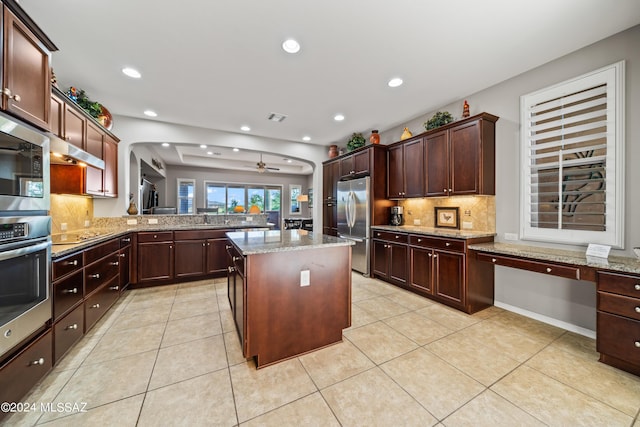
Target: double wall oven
25 234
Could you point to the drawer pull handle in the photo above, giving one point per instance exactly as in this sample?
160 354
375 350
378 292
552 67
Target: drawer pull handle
493 260
548 269
637 344
74 262
637 309
227 246
430 255
419 240
74 326
114 263
447 244
114 288
38 362
637 287
70 291
95 306
231 269
235 258
94 276
397 237
127 240
123 255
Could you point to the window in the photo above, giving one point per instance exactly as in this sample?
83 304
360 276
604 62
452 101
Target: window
185 196
295 191
572 160
223 198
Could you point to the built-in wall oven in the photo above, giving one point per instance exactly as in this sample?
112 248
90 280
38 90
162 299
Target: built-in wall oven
24 169
25 259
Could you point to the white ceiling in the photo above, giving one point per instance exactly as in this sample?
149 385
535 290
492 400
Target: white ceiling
219 64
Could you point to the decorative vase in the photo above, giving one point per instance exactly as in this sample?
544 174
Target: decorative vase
133 210
465 109
333 151
406 134
375 137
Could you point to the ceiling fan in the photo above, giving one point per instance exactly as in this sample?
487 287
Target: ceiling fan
262 166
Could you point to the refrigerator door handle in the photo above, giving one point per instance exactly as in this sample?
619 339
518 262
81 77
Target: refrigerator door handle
351 209
355 239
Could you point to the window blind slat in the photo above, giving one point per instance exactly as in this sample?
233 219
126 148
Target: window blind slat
568 99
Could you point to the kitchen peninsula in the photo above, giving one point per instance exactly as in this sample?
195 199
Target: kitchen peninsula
289 290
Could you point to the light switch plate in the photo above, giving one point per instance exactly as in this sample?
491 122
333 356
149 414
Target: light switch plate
153 220
63 226
467 225
305 278
416 222
249 218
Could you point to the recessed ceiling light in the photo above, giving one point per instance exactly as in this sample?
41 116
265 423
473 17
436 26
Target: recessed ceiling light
150 113
236 149
289 161
165 144
395 82
203 146
291 46
131 72
210 153
245 128
306 138
338 117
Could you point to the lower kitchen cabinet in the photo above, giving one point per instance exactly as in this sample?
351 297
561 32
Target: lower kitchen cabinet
67 331
125 261
390 257
217 252
190 257
155 256
236 282
98 303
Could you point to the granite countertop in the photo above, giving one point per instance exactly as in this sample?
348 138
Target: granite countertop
614 263
432 231
60 250
261 242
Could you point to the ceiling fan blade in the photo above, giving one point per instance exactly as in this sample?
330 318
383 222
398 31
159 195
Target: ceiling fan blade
272 169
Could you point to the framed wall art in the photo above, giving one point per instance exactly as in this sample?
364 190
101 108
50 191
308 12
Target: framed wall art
447 217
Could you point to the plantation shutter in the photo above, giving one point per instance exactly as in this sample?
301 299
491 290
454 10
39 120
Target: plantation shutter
570 140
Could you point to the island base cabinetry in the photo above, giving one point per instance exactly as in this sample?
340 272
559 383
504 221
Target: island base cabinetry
279 315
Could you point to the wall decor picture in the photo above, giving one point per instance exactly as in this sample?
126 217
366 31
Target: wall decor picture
447 217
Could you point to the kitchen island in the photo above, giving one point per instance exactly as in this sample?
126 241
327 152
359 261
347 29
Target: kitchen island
289 291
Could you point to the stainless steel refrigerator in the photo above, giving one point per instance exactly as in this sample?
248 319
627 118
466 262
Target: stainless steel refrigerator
354 218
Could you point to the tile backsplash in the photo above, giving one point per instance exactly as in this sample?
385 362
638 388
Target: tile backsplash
70 210
477 211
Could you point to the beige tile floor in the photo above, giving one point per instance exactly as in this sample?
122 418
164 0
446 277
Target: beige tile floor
170 356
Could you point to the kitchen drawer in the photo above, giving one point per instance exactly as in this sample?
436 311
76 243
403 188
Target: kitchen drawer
536 266
437 243
199 234
64 266
619 284
24 370
158 236
390 236
125 241
618 337
98 273
67 293
67 332
101 250
99 303
619 304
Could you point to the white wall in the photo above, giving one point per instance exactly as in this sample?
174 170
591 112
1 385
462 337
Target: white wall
566 302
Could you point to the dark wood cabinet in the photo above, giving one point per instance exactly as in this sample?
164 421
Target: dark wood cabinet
125 261
390 257
110 173
405 169
155 256
75 126
217 252
460 159
330 177
26 82
236 282
56 116
190 257
94 140
67 331
358 163
618 320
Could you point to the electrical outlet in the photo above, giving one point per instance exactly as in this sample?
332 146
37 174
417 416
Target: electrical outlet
467 225
153 220
510 236
63 226
305 278
249 218
87 223
132 221
416 222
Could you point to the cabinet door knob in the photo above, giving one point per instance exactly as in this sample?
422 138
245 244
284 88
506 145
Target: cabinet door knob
38 362
548 269
231 269
449 190
114 263
447 244
637 344
94 276
419 240
430 255
74 262
637 287
114 288
637 309
493 260
204 244
9 95
95 306
122 255
397 237
127 240
435 256
74 326
70 291
444 189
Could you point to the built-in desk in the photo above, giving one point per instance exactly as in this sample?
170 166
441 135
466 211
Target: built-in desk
618 286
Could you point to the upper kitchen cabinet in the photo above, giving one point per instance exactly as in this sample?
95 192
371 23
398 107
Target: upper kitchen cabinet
405 169
460 157
26 58
358 163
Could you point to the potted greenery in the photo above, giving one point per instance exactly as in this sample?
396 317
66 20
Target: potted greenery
439 119
356 141
81 98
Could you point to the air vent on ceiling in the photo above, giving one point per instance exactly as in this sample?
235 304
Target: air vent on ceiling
276 117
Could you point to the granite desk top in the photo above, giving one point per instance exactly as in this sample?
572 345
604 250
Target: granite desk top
261 242
432 231
613 263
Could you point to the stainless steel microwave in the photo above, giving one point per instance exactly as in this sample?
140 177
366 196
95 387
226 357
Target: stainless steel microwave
24 168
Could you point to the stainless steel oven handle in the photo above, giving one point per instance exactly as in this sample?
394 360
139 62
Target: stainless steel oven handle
26 250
